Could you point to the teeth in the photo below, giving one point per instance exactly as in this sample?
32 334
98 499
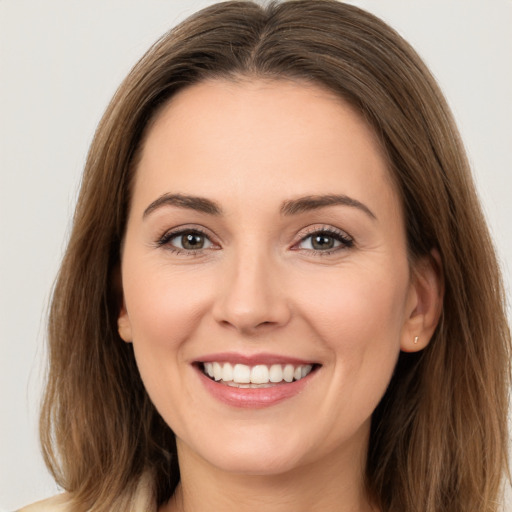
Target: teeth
259 374
208 369
217 371
288 373
227 372
241 375
276 373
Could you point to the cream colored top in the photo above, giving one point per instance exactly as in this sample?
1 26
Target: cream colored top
141 501
61 503
58 503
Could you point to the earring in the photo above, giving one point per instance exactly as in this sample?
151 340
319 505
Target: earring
416 338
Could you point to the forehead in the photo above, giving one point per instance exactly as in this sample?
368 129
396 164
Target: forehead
260 136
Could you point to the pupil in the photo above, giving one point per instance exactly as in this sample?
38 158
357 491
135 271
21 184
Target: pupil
323 242
192 241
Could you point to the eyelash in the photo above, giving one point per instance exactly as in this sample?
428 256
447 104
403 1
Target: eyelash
345 241
164 240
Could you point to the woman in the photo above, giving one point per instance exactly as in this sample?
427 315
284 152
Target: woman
279 292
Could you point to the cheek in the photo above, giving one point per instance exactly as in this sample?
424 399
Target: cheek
164 307
359 318
353 309
165 310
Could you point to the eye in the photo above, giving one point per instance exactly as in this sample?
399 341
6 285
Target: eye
326 241
189 240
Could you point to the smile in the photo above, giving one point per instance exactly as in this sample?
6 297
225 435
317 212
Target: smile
257 376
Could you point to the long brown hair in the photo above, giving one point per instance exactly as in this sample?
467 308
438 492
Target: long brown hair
439 436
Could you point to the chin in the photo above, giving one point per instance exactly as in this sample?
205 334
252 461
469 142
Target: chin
271 456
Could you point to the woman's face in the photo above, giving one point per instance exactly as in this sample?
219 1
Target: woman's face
265 243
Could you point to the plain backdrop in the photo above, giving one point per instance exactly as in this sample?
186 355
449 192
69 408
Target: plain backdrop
60 63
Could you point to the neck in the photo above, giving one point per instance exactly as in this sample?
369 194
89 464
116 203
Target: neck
333 484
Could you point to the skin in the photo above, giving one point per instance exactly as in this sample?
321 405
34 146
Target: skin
259 285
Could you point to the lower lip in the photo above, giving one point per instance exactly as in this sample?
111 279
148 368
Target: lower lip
254 398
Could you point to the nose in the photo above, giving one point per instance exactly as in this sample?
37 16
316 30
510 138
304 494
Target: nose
251 297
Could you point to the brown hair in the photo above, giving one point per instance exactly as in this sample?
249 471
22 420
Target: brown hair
439 436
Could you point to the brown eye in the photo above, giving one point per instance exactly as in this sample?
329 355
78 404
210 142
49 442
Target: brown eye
322 242
325 241
189 240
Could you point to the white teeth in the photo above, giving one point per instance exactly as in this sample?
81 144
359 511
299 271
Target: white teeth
251 385
217 371
259 374
241 375
288 373
208 369
304 370
276 373
227 372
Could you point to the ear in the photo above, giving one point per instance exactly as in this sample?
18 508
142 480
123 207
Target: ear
124 327
424 303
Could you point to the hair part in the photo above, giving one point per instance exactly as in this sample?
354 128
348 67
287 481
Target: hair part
439 436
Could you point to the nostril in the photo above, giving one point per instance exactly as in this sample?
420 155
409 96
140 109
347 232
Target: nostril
251 302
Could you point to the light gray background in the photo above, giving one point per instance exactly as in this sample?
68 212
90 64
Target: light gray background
61 61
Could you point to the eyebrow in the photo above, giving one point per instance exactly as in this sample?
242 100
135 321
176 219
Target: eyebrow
308 203
290 207
199 204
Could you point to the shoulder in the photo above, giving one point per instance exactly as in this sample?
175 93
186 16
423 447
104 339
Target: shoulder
59 503
140 499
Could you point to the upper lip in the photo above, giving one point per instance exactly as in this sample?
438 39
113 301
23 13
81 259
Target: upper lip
253 359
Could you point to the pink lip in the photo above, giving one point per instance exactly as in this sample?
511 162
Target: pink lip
253 398
252 360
